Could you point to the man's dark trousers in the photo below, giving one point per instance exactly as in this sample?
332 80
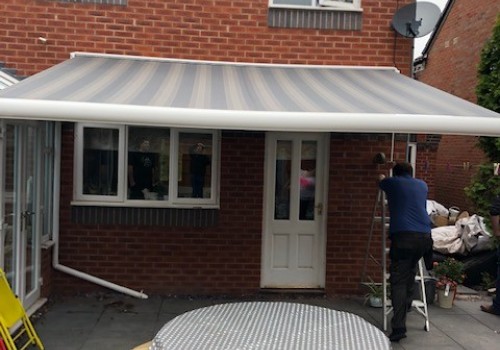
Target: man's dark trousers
406 250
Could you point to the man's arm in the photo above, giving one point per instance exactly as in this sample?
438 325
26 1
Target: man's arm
495 224
381 182
131 181
495 216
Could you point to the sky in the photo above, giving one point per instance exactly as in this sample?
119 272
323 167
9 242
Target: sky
420 42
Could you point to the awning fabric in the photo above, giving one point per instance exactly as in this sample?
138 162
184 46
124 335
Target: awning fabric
238 96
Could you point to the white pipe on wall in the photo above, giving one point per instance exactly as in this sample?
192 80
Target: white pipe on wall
55 256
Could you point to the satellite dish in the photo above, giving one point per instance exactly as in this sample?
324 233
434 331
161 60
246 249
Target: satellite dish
416 20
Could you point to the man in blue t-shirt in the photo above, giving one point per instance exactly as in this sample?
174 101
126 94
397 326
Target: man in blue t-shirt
410 235
494 308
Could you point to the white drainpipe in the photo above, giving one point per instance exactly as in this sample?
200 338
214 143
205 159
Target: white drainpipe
55 255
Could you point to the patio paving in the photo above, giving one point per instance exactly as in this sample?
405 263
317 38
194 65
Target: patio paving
110 321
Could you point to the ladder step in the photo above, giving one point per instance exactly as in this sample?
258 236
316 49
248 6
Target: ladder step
378 219
417 303
414 303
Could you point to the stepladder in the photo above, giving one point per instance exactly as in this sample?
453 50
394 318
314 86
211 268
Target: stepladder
380 224
419 304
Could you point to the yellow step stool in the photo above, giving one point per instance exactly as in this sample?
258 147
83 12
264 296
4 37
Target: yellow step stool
12 315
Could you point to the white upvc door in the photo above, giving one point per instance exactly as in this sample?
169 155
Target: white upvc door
293 252
20 155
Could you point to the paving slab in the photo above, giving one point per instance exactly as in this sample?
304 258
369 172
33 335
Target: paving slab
114 321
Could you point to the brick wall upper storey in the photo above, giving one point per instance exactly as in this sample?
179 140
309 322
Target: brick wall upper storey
219 30
454 56
451 66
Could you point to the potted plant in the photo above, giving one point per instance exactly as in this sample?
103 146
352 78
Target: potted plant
449 273
375 295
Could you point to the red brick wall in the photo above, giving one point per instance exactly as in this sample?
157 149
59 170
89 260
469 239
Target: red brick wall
425 167
453 173
352 197
208 30
226 258
46 272
452 66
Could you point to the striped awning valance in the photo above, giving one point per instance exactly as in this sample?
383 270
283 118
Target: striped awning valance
222 95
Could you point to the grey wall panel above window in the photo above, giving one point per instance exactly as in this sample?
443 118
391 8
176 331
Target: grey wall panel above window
145 216
314 19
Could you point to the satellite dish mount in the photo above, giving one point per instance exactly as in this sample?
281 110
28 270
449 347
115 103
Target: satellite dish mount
416 20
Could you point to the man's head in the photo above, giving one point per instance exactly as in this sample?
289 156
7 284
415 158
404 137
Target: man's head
198 148
144 146
402 169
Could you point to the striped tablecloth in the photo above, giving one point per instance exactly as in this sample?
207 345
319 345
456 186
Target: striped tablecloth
269 325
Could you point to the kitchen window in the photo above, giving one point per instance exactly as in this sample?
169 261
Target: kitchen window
145 166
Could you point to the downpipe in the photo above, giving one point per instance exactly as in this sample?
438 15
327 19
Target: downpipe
55 256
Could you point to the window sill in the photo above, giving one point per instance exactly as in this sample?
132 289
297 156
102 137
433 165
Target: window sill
145 204
47 244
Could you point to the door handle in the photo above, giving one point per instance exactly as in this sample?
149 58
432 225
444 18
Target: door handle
319 208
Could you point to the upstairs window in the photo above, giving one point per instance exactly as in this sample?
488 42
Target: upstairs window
343 4
6 80
101 2
315 14
339 4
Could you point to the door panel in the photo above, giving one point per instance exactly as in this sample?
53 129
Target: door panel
29 210
10 220
19 197
294 238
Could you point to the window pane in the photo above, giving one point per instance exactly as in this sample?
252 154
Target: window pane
148 163
10 225
100 161
100 2
195 162
293 2
48 179
307 180
345 1
282 185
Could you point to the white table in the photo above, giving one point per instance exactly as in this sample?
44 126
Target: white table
269 325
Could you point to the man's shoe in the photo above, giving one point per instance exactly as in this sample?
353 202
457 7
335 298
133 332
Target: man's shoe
490 309
395 337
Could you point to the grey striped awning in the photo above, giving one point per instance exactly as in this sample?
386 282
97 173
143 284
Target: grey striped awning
238 96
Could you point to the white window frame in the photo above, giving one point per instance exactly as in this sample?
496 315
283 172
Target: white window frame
78 168
99 2
121 198
6 80
48 168
411 156
323 4
214 169
356 4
